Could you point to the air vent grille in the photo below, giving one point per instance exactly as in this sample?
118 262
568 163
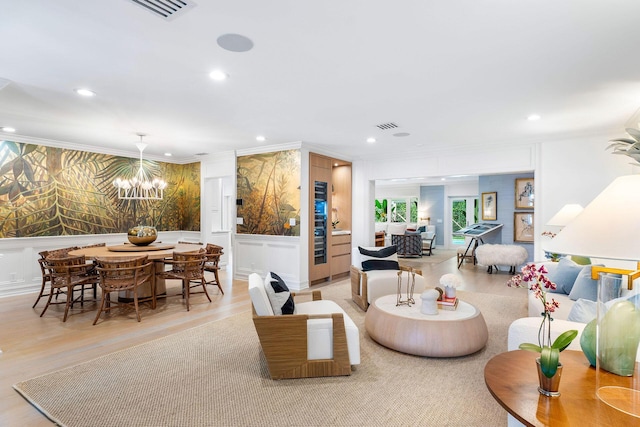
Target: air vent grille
166 9
387 126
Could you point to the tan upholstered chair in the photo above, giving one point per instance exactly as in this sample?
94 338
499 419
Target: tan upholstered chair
319 341
122 274
187 267
366 286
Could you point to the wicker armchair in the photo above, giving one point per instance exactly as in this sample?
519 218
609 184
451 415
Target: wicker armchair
122 274
291 343
46 275
409 245
67 274
214 252
187 267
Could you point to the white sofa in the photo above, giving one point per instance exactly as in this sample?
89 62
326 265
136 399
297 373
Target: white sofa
366 286
302 344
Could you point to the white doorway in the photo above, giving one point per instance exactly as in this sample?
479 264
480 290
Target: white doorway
462 211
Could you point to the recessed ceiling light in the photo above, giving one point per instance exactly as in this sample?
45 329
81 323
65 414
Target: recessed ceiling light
235 42
85 92
260 138
443 179
8 129
218 75
371 140
335 164
533 117
168 154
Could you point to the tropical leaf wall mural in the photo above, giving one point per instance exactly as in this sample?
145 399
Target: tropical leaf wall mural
50 191
269 187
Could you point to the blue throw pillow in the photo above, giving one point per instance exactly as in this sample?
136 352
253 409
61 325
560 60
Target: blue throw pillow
583 311
422 229
564 275
585 287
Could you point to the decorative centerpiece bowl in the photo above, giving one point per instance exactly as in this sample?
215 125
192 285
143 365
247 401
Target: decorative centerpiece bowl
142 235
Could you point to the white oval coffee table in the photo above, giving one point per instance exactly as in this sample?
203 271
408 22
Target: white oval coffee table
448 334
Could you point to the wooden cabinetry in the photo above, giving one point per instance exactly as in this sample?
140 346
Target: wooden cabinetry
340 254
329 255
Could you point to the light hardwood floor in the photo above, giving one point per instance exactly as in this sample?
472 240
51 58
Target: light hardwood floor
33 346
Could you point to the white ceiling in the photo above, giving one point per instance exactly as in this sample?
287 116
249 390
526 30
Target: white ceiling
455 72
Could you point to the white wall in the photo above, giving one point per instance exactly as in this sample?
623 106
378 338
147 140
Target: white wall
217 201
573 171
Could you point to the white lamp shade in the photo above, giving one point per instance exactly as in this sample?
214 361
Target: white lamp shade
609 227
565 215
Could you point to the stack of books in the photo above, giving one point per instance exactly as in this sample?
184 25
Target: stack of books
448 303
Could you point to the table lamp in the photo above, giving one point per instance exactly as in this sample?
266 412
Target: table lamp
565 215
609 228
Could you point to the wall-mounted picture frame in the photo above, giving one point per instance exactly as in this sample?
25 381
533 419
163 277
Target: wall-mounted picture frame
490 206
523 227
525 193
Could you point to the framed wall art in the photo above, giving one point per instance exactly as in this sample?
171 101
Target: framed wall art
523 227
525 193
490 206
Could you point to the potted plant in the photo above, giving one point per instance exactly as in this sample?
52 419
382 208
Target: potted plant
534 277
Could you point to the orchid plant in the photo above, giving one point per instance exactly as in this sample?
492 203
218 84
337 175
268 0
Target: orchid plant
534 277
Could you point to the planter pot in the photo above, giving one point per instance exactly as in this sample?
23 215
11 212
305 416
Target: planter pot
549 386
449 292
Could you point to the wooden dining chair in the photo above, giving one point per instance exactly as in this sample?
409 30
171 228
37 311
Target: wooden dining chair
122 274
68 274
213 254
187 267
46 275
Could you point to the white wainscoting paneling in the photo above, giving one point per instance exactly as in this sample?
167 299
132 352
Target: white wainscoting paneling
260 254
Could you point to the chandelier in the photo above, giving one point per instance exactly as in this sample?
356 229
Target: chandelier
141 186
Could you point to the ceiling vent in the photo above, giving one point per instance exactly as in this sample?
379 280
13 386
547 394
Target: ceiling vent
387 126
166 9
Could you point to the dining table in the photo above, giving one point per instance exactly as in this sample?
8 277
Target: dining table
156 252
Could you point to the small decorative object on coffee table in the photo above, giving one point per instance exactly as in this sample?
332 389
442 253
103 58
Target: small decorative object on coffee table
142 235
450 283
549 367
429 301
411 283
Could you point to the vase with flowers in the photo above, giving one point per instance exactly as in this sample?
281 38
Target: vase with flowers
549 366
450 283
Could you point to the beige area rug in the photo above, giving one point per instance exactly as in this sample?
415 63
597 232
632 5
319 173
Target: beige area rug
216 375
438 256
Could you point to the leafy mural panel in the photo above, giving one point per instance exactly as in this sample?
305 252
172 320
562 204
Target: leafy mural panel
51 191
269 188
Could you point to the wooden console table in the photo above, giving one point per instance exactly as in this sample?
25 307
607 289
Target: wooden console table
512 379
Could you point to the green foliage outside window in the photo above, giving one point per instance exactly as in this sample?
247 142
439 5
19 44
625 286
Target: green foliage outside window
395 210
381 210
458 215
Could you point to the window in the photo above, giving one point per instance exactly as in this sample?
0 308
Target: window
397 210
